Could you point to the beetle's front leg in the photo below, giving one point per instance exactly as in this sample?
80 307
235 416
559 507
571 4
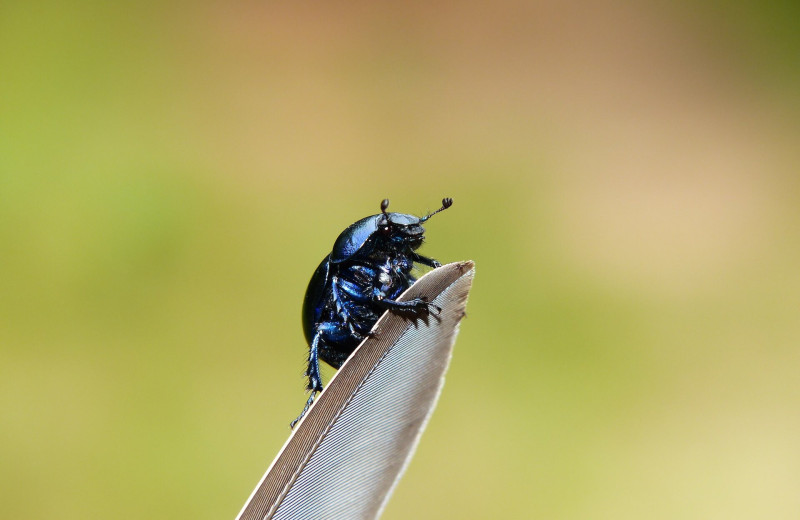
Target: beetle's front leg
424 260
417 306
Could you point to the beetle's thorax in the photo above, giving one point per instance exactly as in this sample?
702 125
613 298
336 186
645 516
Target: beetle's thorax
399 233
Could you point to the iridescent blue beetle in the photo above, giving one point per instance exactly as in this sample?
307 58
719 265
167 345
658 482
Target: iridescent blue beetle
369 267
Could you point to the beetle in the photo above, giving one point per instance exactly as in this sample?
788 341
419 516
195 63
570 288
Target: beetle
369 267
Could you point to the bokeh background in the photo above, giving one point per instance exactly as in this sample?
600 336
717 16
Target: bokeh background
625 175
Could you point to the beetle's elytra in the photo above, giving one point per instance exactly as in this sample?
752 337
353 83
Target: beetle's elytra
369 267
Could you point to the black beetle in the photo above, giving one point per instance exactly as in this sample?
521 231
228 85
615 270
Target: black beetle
369 267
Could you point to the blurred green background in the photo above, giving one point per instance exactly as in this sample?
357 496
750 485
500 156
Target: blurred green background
625 175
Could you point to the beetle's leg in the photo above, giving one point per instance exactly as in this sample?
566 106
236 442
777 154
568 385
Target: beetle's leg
417 306
305 409
340 305
424 260
312 372
360 294
355 293
362 273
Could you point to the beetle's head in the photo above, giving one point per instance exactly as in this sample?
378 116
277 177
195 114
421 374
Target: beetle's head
403 230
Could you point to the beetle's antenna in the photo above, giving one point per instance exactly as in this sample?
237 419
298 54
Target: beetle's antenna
446 203
384 215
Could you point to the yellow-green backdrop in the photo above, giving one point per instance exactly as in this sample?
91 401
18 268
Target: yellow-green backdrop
625 176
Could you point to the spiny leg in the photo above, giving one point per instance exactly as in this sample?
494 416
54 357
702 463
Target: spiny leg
314 378
353 291
418 306
329 337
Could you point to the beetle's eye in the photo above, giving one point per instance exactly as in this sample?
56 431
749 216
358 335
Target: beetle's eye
385 229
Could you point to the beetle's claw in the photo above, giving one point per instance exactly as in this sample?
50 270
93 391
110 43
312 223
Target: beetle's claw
422 305
428 307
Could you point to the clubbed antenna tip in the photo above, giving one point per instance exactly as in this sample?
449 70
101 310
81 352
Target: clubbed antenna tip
446 203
